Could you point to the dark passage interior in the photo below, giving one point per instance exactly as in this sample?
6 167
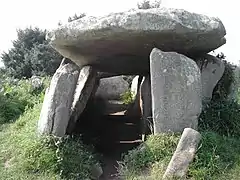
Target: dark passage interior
112 134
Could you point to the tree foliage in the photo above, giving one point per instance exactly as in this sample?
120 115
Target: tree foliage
147 4
75 17
31 54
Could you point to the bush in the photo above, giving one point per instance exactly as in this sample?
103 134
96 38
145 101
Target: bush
17 95
76 17
223 87
221 116
147 4
216 157
31 55
28 155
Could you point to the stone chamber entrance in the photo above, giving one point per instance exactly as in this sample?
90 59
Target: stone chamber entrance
112 132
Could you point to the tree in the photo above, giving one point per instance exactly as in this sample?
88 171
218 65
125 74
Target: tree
31 55
75 17
147 4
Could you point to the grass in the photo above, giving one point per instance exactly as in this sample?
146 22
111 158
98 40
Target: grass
24 155
157 149
17 95
218 157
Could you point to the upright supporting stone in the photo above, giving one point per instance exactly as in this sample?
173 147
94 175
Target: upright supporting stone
85 86
58 100
146 105
212 70
134 86
176 91
183 155
111 88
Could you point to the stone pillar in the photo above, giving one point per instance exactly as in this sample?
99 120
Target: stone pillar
146 106
86 83
56 109
183 155
176 91
212 70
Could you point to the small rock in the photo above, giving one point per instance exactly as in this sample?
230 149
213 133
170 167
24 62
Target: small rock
97 171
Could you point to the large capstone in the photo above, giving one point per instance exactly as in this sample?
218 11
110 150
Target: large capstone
121 42
176 91
56 109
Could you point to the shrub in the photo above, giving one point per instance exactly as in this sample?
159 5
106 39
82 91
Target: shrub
16 95
215 158
147 4
76 17
31 55
221 116
223 87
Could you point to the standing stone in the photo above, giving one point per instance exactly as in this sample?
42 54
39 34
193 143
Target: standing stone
212 70
146 105
112 88
233 95
85 86
183 155
55 113
134 86
176 91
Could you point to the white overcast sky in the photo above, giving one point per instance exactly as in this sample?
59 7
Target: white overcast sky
47 13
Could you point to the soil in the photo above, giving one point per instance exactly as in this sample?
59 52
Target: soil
112 136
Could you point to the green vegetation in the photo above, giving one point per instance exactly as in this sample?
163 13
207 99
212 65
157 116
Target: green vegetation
222 117
157 148
25 155
218 157
127 97
76 17
31 55
147 4
17 95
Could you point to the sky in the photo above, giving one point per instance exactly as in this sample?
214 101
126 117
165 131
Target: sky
46 14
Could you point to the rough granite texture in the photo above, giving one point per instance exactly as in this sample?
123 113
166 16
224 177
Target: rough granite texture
84 88
184 154
176 91
134 86
111 88
146 105
55 113
122 42
212 70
